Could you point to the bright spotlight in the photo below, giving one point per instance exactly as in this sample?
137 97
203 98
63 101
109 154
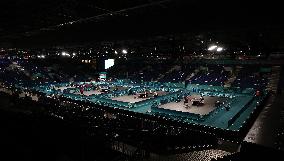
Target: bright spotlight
219 49
65 54
124 51
213 47
41 56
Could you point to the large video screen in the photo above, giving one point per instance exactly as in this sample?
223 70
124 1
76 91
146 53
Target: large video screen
109 63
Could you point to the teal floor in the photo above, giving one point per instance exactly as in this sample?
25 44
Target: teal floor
219 119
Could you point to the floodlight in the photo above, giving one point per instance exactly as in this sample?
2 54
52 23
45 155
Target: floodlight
212 47
124 51
219 49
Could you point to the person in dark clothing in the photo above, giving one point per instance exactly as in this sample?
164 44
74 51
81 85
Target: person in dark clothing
185 101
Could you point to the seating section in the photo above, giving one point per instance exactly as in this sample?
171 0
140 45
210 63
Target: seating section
33 71
162 111
178 74
139 70
213 75
23 71
250 77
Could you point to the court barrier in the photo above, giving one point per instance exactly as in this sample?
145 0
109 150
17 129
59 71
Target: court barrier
75 96
253 115
216 110
175 113
71 90
105 100
142 89
159 100
119 93
200 88
109 102
248 101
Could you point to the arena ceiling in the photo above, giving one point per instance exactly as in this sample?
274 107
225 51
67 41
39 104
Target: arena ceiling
55 22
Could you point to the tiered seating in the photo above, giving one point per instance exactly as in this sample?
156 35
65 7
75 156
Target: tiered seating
215 76
174 76
249 77
139 70
178 75
26 72
163 111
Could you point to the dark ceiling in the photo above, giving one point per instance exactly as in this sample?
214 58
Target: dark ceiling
60 22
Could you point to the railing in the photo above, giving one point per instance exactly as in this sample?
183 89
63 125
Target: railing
176 113
238 114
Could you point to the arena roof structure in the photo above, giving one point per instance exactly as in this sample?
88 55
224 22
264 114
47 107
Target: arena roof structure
34 23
